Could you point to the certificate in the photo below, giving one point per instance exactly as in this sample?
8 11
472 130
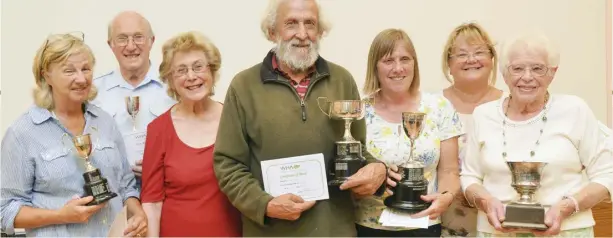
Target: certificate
135 145
304 176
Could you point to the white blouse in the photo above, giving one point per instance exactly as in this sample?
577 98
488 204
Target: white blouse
572 143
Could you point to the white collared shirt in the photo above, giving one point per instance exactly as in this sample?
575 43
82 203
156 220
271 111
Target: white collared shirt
112 90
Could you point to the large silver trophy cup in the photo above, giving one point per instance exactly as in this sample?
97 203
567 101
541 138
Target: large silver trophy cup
525 213
408 191
349 157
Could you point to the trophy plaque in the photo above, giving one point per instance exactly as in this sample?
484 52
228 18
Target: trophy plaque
408 191
95 185
525 213
348 159
132 106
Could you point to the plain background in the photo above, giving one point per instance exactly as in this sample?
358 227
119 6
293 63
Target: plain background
577 27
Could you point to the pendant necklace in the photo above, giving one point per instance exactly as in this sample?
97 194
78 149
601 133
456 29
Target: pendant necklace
504 125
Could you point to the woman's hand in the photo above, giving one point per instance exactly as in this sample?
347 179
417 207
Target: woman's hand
392 177
440 203
137 225
76 210
495 212
554 217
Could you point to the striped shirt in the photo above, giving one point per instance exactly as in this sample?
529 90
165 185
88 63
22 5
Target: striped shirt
39 171
302 86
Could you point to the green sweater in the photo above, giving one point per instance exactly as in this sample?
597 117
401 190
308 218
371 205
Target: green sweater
264 119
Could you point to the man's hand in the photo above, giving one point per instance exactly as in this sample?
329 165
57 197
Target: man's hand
440 203
287 207
138 168
554 217
366 181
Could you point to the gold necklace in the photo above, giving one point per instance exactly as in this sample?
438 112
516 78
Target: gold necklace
504 125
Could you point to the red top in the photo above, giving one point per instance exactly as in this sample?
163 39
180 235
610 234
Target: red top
183 178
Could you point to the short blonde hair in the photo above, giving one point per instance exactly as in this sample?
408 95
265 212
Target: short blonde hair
185 42
270 19
384 44
57 48
475 33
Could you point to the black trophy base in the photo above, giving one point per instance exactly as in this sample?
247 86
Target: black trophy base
524 216
347 162
406 206
97 187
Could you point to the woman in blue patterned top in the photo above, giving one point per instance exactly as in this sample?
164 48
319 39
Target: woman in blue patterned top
42 180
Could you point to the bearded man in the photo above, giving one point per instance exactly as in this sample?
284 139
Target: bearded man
271 112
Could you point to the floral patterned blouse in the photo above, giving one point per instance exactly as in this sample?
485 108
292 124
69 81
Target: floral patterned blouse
387 142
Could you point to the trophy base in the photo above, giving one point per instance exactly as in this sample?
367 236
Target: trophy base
97 187
347 162
407 206
524 216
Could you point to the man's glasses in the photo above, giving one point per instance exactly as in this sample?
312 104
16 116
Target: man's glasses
123 40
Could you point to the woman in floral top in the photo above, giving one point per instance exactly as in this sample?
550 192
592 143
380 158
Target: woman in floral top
392 86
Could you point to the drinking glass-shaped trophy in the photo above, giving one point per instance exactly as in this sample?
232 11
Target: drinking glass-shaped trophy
95 185
525 213
348 159
408 191
133 106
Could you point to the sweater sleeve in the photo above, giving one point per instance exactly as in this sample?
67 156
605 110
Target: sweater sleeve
594 151
231 163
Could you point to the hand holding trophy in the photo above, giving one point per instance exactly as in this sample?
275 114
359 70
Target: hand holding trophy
95 185
133 106
525 213
349 157
408 191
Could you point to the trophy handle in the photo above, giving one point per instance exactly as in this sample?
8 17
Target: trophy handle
327 102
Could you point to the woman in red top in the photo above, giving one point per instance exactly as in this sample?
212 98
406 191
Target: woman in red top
180 193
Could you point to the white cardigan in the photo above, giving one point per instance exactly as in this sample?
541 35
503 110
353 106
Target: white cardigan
572 139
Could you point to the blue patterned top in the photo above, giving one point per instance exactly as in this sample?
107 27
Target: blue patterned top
39 171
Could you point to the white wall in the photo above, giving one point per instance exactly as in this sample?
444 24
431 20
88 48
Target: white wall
577 26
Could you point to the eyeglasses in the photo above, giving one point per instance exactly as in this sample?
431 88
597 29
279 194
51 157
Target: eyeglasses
76 34
123 40
196 68
535 69
479 55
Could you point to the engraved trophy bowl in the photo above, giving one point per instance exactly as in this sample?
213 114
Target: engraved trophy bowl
133 106
348 159
95 185
525 213
408 191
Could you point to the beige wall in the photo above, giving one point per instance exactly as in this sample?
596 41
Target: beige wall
577 26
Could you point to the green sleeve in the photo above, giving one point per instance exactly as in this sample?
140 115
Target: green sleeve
232 163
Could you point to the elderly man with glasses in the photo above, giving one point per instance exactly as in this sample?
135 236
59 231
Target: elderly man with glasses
133 94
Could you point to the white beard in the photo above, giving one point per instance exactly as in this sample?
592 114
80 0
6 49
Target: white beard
291 56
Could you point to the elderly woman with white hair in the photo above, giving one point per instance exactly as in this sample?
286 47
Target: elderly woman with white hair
532 125
43 183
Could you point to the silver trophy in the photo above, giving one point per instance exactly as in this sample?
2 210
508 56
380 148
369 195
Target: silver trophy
133 106
525 213
349 157
408 191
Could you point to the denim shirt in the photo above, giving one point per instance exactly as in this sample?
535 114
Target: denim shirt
40 171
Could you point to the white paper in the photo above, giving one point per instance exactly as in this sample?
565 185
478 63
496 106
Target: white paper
120 224
395 218
135 145
304 176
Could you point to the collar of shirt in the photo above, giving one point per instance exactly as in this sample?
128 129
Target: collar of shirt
40 115
275 67
117 80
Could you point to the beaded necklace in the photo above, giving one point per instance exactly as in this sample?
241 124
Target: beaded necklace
504 125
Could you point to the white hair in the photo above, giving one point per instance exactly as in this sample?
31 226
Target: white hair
270 19
534 41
